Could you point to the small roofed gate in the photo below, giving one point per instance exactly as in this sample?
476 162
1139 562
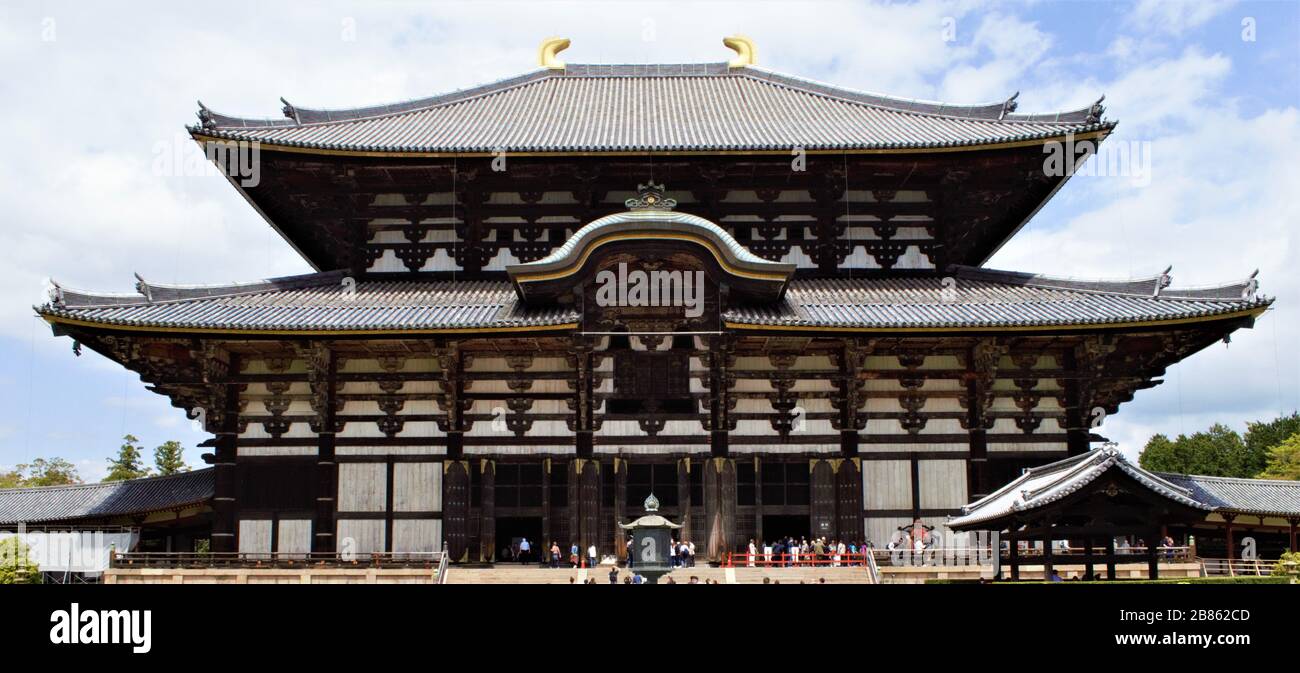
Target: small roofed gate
455 507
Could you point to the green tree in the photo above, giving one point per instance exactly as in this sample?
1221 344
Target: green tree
1163 455
16 567
168 459
11 479
53 472
1217 452
128 464
1262 436
1284 460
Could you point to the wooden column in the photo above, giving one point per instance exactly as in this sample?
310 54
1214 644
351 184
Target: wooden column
621 513
327 469
547 508
1291 524
1153 554
684 495
1013 556
224 505
1047 555
1110 557
1229 538
1087 557
719 506
1078 420
758 499
487 525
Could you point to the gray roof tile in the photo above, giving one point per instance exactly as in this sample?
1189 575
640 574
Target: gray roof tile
982 298
635 108
1043 485
1247 496
986 298
118 498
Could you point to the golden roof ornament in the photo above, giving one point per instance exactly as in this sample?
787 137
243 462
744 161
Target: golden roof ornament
650 197
746 52
546 55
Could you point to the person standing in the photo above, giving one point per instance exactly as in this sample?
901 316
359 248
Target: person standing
690 553
555 554
525 550
591 555
753 551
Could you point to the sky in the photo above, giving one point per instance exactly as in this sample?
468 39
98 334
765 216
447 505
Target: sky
95 97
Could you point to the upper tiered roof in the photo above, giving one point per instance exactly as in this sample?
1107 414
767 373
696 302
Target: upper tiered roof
611 109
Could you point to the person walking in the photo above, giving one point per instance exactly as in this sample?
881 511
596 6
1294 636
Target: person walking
555 554
525 550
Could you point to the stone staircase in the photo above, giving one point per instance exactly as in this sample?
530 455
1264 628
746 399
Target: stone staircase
508 574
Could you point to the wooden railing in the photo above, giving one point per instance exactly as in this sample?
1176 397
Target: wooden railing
1237 567
305 560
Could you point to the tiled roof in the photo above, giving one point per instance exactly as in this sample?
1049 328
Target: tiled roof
315 302
986 298
1247 496
1040 486
636 108
980 298
118 498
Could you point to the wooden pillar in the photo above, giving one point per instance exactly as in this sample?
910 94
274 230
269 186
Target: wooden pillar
1153 554
758 500
1110 556
621 513
684 495
1087 557
1229 538
224 505
1078 421
977 465
1013 556
719 506
487 525
548 510
327 469
1047 555
1291 524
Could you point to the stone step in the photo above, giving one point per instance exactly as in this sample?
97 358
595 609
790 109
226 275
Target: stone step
533 575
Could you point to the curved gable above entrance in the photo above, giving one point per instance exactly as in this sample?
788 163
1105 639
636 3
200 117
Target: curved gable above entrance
650 225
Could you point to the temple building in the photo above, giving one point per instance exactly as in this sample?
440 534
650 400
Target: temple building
535 302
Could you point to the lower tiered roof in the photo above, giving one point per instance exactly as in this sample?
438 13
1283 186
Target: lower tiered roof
968 298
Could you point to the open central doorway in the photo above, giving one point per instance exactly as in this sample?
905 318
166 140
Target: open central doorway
511 531
781 526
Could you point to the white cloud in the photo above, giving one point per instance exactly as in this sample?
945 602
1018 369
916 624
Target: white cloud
1174 16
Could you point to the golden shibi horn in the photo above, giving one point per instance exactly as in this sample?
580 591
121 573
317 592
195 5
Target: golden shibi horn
746 52
550 47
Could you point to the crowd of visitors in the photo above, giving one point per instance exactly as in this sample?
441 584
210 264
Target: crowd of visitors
789 551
